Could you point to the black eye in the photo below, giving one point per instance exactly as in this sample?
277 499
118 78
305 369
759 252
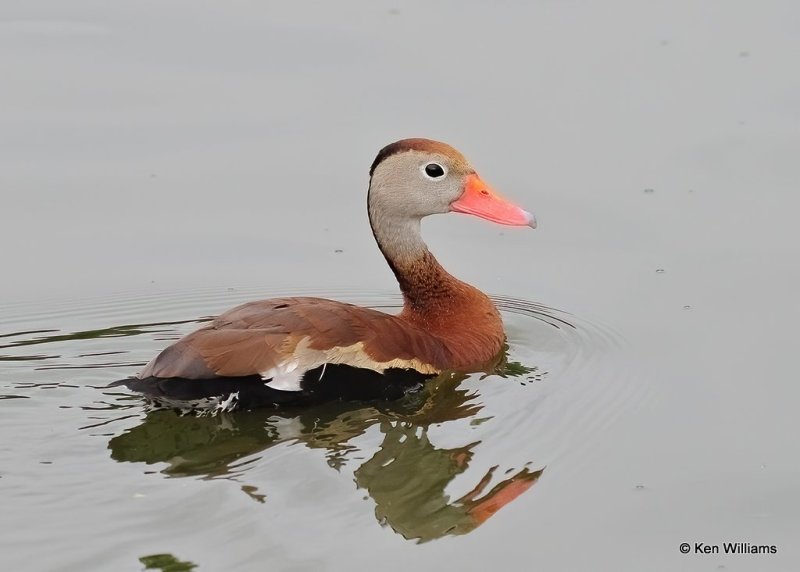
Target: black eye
434 170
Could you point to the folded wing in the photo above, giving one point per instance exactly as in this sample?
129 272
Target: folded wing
282 338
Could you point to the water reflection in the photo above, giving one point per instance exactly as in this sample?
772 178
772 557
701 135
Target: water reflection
166 563
406 478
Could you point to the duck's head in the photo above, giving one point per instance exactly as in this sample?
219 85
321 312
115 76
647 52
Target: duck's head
414 178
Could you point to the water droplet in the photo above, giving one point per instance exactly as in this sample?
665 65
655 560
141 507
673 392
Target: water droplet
648 191
660 271
687 307
639 487
338 251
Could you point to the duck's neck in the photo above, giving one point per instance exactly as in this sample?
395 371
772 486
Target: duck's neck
433 298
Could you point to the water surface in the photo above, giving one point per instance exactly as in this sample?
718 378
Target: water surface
154 155
436 463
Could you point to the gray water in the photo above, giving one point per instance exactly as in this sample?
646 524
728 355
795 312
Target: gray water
433 465
162 162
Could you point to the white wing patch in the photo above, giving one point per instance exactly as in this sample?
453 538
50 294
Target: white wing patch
287 376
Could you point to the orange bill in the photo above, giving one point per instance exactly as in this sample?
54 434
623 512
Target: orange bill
480 200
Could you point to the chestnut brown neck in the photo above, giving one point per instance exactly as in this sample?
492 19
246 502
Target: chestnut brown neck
463 316
426 286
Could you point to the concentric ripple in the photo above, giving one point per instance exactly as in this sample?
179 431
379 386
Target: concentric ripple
433 464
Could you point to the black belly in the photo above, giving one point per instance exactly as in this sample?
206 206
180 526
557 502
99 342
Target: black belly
338 381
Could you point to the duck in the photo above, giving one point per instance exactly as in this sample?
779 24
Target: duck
291 350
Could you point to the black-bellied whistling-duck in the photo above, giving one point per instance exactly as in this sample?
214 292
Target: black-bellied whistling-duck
285 349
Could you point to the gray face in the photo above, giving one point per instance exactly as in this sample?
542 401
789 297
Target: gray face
414 184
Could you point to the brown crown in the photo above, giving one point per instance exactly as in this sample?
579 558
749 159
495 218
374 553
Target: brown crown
415 144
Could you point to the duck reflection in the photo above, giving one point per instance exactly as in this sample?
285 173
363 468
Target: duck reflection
407 477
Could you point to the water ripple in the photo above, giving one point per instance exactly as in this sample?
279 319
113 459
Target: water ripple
464 447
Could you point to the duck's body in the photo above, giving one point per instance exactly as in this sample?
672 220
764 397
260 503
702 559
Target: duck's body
277 350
